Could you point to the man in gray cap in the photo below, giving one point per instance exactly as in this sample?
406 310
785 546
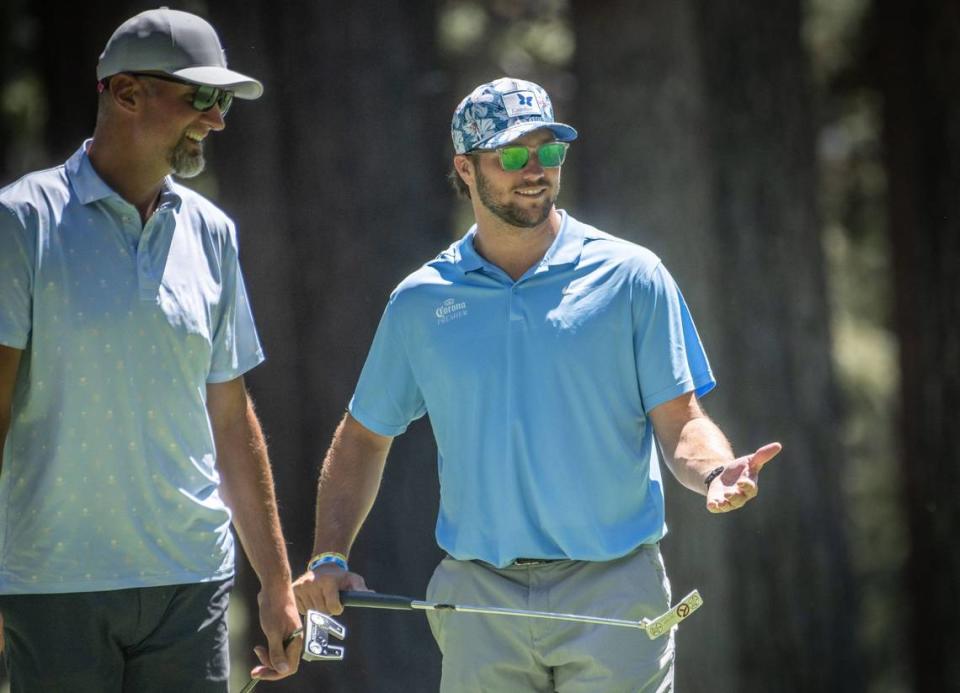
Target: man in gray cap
550 357
130 440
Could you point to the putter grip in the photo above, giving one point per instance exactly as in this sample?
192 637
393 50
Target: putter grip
375 600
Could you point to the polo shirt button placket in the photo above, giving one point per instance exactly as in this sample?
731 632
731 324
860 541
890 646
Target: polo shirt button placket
143 271
515 313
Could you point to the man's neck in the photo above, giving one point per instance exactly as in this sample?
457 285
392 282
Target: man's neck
514 249
121 166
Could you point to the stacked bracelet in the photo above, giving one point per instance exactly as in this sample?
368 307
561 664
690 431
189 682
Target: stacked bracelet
328 557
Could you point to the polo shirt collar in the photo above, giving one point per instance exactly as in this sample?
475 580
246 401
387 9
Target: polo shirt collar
90 187
568 244
467 258
564 250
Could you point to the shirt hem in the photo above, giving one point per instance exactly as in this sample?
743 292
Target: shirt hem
11 588
606 557
377 427
226 376
14 343
701 385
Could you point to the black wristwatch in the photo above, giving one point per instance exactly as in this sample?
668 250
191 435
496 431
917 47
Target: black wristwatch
714 473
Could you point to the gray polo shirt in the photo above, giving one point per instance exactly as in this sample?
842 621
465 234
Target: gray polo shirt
109 470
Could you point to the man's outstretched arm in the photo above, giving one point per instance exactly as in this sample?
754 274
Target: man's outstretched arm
349 483
696 452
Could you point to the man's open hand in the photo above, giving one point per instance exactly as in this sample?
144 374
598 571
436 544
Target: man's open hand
738 482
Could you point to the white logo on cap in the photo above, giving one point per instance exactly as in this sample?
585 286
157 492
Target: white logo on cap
521 103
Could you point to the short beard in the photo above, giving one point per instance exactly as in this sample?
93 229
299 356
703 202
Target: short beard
186 163
509 213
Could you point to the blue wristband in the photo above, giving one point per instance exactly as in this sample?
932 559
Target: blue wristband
328 557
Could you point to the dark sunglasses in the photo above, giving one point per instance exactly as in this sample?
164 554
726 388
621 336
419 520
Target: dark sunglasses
204 98
515 157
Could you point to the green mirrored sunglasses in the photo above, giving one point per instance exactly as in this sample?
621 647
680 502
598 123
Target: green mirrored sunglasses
204 98
515 157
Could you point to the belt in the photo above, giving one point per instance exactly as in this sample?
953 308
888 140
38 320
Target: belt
535 561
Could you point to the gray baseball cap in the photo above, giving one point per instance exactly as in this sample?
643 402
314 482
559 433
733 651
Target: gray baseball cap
174 43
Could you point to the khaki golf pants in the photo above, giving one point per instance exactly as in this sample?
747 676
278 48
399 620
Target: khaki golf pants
506 654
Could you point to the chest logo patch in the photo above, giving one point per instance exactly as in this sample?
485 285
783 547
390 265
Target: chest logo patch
450 310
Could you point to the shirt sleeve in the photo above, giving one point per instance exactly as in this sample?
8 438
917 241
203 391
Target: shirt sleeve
670 358
16 281
387 397
236 345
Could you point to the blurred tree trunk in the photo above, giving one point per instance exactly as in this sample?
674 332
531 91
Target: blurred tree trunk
697 142
68 59
13 59
336 177
916 47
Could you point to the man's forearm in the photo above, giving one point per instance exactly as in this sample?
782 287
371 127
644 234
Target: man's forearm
701 447
247 486
349 482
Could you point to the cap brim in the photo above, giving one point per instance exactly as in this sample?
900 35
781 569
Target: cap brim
563 133
242 86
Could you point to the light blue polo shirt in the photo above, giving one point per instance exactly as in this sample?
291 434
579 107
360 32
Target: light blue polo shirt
109 478
538 393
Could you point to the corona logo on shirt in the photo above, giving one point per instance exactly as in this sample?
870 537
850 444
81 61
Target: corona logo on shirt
450 310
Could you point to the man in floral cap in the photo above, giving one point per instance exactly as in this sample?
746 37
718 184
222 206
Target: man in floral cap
551 358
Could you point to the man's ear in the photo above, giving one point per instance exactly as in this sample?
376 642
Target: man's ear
125 92
463 165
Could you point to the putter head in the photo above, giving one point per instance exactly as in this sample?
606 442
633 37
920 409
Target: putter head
318 629
662 624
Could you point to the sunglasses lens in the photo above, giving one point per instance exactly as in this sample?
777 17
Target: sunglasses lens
206 97
552 154
514 158
225 101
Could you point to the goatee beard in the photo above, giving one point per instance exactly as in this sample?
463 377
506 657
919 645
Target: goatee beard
185 161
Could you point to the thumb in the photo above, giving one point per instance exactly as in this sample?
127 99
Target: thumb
278 657
763 455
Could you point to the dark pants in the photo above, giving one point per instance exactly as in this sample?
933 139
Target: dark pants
170 639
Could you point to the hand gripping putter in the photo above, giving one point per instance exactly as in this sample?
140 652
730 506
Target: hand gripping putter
316 633
654 628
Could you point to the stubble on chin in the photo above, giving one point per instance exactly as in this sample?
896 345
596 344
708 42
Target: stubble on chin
184 162
514 214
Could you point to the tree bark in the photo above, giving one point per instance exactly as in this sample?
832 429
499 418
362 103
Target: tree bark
917 54
697 142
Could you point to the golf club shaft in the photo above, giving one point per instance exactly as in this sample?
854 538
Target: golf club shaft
376 600
373 600
524 613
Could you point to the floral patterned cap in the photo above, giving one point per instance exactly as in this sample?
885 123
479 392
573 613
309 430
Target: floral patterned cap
501 111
